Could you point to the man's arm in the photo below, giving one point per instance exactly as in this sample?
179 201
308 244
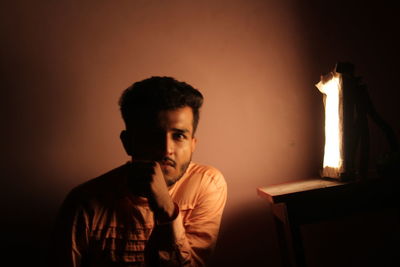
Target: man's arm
175 242
70 234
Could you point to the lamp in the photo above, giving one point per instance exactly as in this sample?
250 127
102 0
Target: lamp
347 108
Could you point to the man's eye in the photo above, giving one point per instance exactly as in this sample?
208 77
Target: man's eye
179 136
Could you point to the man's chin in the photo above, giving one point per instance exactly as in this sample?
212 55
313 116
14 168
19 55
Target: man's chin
172 175
170 181
169 176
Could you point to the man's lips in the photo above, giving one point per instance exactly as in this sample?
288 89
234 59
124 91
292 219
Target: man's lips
166 163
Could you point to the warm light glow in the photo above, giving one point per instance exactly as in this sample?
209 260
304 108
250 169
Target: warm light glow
333 154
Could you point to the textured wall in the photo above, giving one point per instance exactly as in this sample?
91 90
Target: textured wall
65 63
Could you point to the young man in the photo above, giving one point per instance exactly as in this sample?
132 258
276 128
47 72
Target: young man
159 209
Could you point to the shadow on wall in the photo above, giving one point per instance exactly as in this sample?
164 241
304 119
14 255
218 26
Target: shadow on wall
29 245
240 245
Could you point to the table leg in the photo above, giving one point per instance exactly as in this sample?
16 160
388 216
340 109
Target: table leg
289 237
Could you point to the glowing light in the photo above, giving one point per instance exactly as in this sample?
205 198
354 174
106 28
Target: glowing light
333 152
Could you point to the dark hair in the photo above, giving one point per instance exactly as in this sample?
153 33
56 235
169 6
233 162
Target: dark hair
148 97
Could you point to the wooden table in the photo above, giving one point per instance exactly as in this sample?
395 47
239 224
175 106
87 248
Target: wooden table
312 200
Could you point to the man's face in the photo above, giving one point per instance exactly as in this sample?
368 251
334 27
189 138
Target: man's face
168 139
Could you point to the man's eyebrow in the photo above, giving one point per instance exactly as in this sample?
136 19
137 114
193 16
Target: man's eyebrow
181 130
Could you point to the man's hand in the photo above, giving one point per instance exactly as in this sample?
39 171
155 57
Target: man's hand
147 179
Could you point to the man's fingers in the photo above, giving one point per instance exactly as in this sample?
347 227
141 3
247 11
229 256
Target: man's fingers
143 174
144 169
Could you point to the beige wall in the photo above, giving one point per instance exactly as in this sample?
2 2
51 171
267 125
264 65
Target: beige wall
65 63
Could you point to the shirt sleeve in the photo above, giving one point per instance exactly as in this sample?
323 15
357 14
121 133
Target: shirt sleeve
190 241
70 234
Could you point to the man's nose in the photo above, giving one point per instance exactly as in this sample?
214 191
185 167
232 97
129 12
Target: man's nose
166 145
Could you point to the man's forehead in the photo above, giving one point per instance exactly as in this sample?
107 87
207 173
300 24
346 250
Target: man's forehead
178 119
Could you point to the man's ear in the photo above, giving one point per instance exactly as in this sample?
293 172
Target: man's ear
126 142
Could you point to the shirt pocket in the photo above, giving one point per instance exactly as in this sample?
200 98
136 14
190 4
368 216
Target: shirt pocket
186 210
120 245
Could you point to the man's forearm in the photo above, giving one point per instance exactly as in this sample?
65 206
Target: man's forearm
169 245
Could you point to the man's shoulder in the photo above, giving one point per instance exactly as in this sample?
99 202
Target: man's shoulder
203 169
107 183
206 173
199 183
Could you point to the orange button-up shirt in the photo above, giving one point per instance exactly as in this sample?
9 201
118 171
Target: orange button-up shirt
102 224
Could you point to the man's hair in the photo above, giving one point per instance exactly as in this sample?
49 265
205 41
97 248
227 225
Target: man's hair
146 98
